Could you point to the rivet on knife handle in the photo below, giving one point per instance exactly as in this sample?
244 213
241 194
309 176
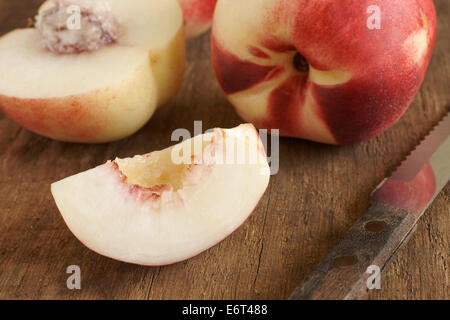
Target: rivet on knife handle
397 204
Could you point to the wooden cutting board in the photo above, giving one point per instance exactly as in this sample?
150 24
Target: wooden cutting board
319 192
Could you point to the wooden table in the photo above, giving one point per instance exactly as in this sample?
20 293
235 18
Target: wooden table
318 194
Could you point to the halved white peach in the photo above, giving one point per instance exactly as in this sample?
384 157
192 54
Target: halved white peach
169 205
100 95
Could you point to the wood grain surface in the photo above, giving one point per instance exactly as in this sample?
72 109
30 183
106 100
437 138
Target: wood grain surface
319 192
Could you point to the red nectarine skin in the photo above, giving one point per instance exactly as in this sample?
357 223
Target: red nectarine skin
386 66
277 45
361 109
284 106
258 53
73 120
412 196
200 10
197 15
234 74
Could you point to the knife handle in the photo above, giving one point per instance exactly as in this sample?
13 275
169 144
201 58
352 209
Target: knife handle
372 240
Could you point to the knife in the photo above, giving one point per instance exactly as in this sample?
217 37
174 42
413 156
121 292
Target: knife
348 270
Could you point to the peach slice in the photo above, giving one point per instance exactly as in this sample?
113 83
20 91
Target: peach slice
169 205
100 94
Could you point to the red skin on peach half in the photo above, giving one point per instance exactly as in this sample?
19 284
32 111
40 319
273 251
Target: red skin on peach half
63 119
412 196
198 15
386 66
153 195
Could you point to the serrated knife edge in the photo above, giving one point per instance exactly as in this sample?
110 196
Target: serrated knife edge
417 158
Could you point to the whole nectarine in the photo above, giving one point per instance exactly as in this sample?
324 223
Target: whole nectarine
330 71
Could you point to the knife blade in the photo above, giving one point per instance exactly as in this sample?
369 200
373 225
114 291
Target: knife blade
396 206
